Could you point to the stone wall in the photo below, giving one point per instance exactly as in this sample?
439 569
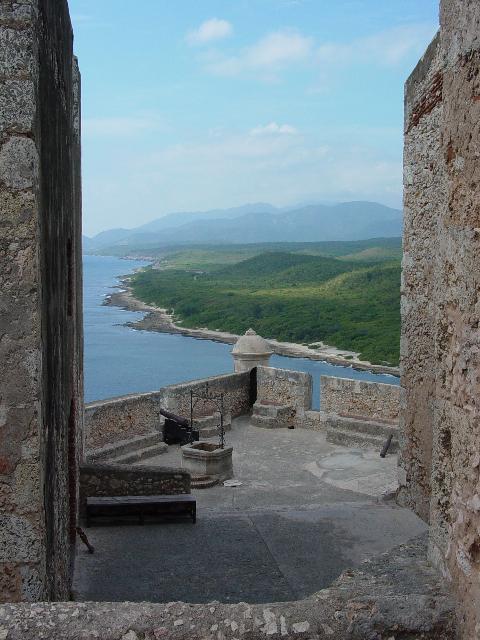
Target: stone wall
424 199
116 419
287 388
441 339
237 389
40 305
313 420
356 398
395 595
98 480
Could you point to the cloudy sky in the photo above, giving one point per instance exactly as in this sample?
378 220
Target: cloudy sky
193 105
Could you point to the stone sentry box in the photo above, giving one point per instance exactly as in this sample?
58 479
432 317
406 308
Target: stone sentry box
250 351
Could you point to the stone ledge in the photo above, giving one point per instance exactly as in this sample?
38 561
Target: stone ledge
396 594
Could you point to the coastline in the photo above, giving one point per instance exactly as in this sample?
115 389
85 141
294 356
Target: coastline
156 319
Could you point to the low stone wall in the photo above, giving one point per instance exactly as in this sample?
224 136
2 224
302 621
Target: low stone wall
313 420
236 387
98 480
356 398
116 419
395 595
285 387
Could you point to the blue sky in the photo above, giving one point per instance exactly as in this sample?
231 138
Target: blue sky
191 105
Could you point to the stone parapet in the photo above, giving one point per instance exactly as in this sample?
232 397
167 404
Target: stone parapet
117 419
360 399
283 386
395 595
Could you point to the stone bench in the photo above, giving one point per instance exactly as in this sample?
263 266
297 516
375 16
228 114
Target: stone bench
361 432
209 426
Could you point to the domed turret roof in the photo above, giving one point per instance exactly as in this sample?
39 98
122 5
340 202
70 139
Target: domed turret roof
251 343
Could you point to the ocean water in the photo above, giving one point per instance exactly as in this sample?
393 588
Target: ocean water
120 360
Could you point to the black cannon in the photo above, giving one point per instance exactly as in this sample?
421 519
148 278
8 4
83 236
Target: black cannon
177 430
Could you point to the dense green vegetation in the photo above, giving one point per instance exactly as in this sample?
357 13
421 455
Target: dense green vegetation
351 303
198 255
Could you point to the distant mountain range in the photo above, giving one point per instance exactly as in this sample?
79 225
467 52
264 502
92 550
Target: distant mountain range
259 222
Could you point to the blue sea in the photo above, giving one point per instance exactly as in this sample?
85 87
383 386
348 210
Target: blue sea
120 360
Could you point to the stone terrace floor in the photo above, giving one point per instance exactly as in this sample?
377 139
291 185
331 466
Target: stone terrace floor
305 511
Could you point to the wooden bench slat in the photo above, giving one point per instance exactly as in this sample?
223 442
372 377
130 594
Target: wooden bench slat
140 499
114 506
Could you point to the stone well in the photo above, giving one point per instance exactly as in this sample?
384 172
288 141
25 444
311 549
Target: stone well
208 459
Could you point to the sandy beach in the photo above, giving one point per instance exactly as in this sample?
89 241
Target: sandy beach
156 319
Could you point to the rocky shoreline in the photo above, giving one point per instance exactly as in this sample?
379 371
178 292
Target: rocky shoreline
156 319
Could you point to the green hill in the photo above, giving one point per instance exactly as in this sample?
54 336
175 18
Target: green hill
288 296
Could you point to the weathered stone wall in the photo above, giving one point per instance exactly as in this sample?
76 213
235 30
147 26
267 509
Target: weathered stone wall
424 200
281 386
356 398
98 480
116 419
237 389
313 420
395 595
443 479
40 305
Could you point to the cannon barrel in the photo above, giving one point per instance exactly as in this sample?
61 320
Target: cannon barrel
178 419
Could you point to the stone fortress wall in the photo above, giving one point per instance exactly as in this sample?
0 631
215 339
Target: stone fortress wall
424 197
116 419
285 386
440 362
112 421
41 395
356 398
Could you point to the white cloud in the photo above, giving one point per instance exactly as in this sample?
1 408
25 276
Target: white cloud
386 48
274 129
121 125
208 31
269 55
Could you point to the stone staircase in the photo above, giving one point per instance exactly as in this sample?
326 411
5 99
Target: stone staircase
350 431
208 426
272 416
130 451
203 482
